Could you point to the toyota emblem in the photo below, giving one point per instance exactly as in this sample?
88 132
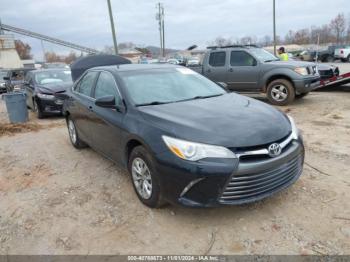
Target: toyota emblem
274 150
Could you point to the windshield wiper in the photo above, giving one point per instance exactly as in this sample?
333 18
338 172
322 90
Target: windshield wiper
199 97
153 103
271 60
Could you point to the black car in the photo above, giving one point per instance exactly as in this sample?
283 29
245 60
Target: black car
41 87
183 138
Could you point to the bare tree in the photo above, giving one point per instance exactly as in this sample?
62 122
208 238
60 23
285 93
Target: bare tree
338 26
23 49
266 40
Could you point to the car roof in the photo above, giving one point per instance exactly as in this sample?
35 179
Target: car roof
135 67
49 70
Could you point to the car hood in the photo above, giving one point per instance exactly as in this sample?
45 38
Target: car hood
229 120
54 87
291 63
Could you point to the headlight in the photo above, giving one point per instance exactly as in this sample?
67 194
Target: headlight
2 84
17 87
195 151
295 131
302 71
44 96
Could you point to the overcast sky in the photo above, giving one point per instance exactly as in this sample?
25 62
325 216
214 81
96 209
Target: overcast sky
187 22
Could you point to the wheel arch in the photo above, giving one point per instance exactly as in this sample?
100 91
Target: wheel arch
275 77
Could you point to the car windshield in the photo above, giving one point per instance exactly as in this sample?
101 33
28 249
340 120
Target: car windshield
53 76
263 55
168 85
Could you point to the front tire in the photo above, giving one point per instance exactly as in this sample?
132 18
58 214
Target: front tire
144 177
36 109
73 134
280 92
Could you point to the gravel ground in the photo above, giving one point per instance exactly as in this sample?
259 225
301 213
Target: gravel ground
55 199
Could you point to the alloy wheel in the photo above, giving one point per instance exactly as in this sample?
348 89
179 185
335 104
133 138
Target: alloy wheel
279 93
141 176
72 131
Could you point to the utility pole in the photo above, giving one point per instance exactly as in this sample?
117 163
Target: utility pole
274 27
112 27
43 49
160 18
163 31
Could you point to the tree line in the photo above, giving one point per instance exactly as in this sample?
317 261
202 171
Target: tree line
337 31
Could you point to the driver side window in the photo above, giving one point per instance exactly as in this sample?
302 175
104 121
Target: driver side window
86 84
106 86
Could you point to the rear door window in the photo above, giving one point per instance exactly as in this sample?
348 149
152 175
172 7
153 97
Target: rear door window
106 86
217 59
241 58
86 84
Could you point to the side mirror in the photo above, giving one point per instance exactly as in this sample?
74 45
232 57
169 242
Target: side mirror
222 84
6 78
106 102
255 63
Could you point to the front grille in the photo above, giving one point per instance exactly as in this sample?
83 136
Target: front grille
245 187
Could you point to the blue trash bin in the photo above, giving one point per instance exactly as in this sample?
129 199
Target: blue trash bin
16 106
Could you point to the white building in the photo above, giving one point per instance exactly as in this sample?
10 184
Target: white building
8 55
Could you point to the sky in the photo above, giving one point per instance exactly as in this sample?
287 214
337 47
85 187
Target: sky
187 22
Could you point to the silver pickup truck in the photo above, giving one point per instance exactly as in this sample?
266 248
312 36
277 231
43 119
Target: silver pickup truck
250 69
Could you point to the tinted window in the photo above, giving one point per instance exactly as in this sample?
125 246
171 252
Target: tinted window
86 84
241 58
106 86
217 59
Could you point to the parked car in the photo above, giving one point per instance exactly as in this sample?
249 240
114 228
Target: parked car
183 138
40 87
15 78
172 61
327 71
343 53
254 70
57 65
192 62
3 73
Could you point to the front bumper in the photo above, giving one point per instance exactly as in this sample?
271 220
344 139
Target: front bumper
50 106
218 182
307 84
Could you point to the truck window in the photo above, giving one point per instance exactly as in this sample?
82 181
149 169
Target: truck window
241 58
217 59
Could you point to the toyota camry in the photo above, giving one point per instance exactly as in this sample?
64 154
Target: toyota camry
183 138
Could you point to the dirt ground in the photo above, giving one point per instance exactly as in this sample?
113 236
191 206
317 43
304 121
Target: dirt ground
55 199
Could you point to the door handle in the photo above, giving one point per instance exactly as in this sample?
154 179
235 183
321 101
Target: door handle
230 70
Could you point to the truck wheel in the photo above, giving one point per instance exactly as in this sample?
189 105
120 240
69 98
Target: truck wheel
145 178
349 58
301 95
280 92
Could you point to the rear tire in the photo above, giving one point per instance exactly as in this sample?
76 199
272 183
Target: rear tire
349 58
73 134
144 178
280 92
329 59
